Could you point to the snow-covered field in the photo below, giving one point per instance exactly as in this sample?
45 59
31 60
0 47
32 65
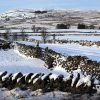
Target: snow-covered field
72 49
70 37
65 31
84 31
10 61
92 52
75 37
13 62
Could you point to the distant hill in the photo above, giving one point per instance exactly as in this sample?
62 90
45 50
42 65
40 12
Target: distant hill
48 18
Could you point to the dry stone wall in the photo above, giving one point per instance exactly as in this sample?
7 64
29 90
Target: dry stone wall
53 59
47 82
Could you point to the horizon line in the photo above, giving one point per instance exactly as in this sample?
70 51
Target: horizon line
73 9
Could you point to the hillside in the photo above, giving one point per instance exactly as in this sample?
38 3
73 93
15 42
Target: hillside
48 18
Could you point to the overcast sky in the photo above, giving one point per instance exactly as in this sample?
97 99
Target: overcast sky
6 5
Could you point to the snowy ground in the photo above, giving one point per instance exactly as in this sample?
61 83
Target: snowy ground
73 49
92 52
13 62
52 30
70 37
84 31
75 37
17 94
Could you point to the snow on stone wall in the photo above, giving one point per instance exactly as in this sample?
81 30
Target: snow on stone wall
54 59
77 82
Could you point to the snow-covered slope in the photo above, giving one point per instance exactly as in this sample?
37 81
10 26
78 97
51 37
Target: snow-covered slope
51 18
12 61
18 14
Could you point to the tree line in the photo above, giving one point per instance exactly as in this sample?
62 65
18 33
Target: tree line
79 26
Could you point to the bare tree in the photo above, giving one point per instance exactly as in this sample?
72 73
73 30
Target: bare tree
44 35
54 37
7 33
15 37
23 33
22 30
33 28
